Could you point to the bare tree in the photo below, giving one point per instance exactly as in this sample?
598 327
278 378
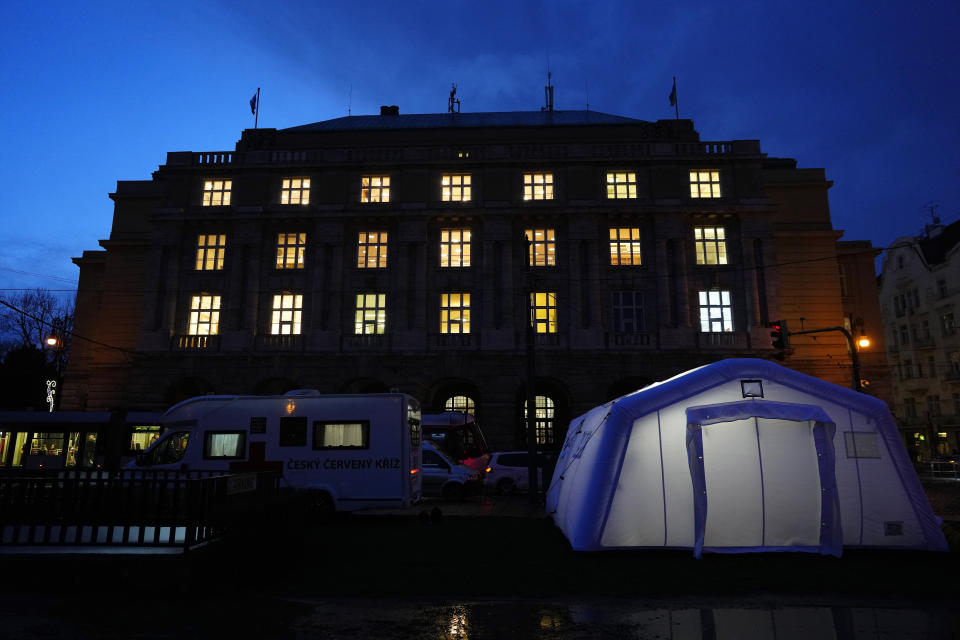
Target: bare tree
30 317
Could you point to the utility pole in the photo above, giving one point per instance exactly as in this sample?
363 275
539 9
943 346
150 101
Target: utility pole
531 375
856 385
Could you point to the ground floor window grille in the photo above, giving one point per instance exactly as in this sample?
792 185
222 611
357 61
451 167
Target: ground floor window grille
543 420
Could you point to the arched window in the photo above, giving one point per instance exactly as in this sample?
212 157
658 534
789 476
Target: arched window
461 404
545 411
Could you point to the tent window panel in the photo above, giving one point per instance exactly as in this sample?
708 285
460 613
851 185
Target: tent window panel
861 445
731 467
791 483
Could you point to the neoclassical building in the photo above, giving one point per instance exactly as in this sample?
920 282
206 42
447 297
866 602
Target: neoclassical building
412 251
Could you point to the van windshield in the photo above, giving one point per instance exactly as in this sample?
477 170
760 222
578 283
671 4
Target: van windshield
170 449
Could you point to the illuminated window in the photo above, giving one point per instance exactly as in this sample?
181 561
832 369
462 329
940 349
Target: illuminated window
704 184
454 313
460 404
455 187
371 316
455 247
543 312
625 247
372 250
711 245
290 249
543 247
341 435
287 312
295 191
210 250
544 413
628 314
716 314
204 315
216 192
621 185
375 189
538 186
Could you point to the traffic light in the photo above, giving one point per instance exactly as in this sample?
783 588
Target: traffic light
779 337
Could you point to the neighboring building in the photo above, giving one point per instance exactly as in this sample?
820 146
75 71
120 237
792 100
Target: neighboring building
920 295
368 253
862 316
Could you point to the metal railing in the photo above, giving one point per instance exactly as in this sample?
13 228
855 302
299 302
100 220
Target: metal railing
153 511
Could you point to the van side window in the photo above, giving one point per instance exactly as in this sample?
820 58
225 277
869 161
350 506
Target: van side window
224 444
170 449
293 432
341 435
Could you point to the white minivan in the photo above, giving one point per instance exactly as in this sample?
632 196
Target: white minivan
348 451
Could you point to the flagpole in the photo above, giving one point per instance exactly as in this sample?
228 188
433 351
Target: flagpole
676 100
256 113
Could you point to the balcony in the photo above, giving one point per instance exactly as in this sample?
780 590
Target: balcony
370 341
455 340
195 343
548 339
621 339
280 342
924 342
722 340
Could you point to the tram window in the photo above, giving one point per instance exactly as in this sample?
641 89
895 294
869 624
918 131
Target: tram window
142 436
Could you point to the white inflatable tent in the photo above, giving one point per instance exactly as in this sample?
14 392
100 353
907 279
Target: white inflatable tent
736 456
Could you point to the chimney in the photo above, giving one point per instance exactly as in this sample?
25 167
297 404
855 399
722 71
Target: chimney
392 110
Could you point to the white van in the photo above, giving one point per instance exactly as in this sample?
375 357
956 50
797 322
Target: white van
349 451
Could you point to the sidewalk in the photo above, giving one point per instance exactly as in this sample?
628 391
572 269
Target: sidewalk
516 506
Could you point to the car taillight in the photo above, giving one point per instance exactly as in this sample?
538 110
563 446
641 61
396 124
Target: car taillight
488 470
413 471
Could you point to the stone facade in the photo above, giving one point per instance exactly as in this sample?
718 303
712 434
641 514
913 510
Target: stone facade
617 326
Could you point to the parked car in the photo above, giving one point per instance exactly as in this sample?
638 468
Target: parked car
508 472
443 476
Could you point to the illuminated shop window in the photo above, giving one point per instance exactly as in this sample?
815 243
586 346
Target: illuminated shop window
628 316
454 313
372 250
290 250
210 250
204 315
543 247
621 185
538 186
375 189
625 247
295 191
716 314
704 184
711 245
216 193
455 247
460 404
544 414
371 315
455 187
287 313
543 311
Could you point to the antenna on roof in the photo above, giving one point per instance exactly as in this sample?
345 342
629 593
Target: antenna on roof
548 93
350 100
586 92
931 208
453 100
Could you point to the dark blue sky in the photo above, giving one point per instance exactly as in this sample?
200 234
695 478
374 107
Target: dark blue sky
96 92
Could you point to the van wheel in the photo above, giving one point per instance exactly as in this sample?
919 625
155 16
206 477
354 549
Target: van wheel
453 492
505 486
